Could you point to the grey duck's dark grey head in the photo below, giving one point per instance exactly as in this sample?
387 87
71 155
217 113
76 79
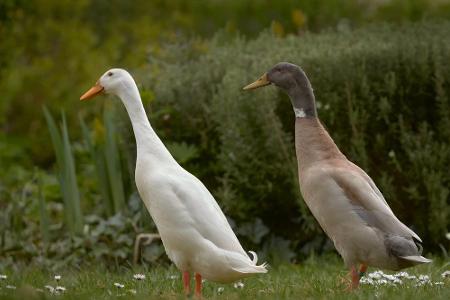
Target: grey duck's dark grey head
291 79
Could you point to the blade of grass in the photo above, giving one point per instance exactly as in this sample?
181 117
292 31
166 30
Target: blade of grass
54 135
71 185
59 153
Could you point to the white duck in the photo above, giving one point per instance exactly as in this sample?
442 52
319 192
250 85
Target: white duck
194 231
341 196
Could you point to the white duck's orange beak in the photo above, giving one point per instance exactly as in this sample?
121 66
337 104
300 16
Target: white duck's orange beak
92 92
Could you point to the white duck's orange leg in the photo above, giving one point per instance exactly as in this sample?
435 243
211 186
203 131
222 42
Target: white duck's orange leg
198 285
362 270
187 283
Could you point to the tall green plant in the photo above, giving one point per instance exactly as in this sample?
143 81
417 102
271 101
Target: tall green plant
105 153
97 156
66 172
113 165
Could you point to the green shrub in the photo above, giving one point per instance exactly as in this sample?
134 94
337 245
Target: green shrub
381 91
67 43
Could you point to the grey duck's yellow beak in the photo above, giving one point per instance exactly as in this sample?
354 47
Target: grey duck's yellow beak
262 81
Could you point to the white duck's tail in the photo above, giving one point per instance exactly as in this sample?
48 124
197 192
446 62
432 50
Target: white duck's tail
243 264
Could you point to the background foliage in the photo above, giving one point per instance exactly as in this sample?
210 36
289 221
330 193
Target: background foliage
382 91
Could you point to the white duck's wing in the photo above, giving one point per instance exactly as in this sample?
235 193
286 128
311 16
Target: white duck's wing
206 215
367 201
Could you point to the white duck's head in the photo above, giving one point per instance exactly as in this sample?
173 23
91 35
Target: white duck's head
114 81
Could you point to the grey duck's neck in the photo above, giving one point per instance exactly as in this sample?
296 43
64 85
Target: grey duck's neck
302 98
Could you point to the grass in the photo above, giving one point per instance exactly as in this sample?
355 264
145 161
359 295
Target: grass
316 278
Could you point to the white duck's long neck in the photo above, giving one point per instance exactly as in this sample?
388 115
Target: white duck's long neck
147 141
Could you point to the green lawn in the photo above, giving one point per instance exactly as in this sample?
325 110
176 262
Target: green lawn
316 278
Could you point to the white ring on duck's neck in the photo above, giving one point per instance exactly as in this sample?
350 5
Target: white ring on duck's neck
299 112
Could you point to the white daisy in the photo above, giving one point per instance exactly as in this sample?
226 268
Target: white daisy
401 274
424 279
238 285
11 287
389 277
139 276
445 274
220 290
60 288
119 285
57 277
50 288
366 280
376 275
3 277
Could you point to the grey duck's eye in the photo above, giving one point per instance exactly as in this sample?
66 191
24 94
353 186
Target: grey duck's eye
110 74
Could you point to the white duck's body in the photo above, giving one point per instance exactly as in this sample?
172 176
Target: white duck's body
196 234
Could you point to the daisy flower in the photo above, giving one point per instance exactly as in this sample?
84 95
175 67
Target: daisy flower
119 285
50 288
139 276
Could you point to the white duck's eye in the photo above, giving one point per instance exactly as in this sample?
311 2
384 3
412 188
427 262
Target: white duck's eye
110 74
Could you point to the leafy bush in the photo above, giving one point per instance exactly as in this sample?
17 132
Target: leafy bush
51 50
382 91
